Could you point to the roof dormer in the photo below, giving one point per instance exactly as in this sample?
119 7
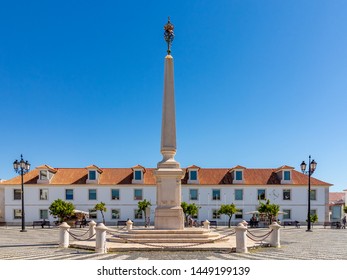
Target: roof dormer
237 174
138 174
46 173
193 174
93 174
284 173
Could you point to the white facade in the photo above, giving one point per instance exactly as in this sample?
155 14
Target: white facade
35 206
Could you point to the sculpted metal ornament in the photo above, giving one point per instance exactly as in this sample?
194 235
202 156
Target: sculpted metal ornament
169 35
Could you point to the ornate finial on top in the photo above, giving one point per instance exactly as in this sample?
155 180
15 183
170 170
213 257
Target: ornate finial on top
169 34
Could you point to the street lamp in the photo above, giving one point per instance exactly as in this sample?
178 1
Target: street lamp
311 168
22 167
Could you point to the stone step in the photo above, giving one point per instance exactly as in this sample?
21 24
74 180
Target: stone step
168 236
164 240
165 231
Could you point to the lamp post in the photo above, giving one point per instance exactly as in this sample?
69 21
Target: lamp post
311 168
22 167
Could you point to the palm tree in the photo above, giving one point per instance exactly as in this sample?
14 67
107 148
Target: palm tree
269 210
102 208
142 206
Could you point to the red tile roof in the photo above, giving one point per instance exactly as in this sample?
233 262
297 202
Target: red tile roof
206 176
336 198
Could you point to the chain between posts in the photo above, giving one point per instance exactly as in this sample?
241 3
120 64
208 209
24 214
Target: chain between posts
252 236
78 237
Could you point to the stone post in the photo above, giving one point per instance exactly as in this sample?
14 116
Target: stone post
241 238
129 225
100 239
92 231
64 235
275 235
206 224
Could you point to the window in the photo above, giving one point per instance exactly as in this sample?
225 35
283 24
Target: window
69 194
193 175
261 194
137 214
115 194
17 214
138 175
193 194
238 194
43 214
43 194
215 194
238 175
239 214
93 214
92 194
286 195
43 175
313 212
138 194
288 214
115 214
313 195
17 194
286 175
215 214
92 175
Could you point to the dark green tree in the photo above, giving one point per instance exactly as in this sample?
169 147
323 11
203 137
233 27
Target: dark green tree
189 210
229 210
61 209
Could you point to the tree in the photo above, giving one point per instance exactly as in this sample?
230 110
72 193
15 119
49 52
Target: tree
102 208
345 209
189 210
142 206
229 210
313 218
61 209
269 210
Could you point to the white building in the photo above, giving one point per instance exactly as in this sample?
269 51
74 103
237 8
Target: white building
122 188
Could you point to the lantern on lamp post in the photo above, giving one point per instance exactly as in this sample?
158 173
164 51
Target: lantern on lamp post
22 167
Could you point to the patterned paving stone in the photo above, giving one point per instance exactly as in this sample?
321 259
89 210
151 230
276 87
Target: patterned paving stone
296 244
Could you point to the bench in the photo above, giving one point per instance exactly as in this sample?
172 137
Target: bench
326 224
41 223
121 223
212 223
253 224
291 223
335 225
81 223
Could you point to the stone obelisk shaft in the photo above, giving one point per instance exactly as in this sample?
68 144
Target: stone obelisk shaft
168 128
168 214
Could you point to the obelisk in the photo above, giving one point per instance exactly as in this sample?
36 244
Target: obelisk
168 214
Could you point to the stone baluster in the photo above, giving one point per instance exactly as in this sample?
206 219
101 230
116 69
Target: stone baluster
64 235
275 235
100 239
241 238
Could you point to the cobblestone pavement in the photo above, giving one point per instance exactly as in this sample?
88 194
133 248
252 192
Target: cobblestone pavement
297 244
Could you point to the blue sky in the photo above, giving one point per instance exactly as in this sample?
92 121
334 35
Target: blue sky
258 83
